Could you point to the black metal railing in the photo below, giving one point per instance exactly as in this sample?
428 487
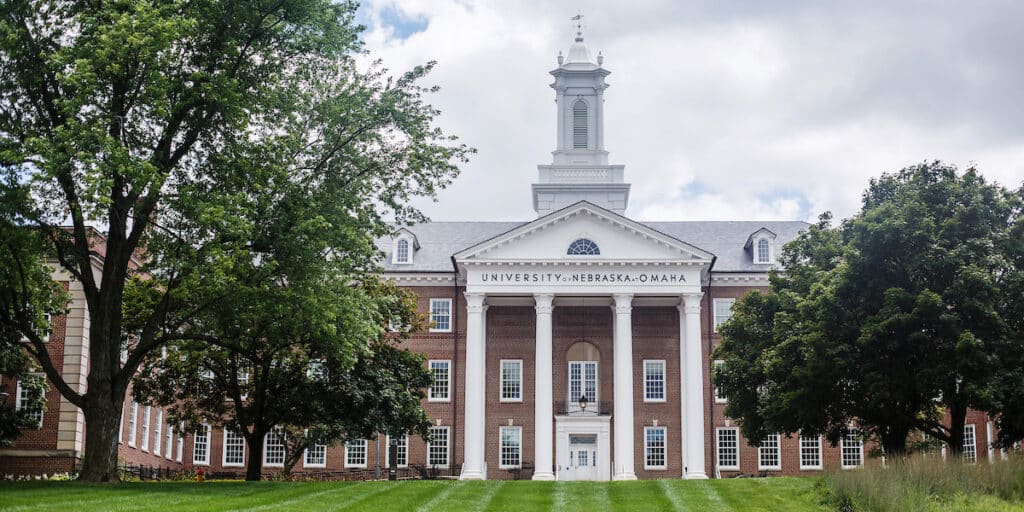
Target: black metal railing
578 409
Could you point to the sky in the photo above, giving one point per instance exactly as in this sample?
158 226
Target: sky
720 110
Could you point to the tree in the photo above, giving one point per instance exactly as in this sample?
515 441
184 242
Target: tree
121 114
1009 389
889 320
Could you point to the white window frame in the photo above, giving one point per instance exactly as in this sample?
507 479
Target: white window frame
19 406
148 411
714 311
761 451
433 324
663 448
120 432
518 448
279 436
133 423
180 455
757 251
664 384
501 385
402 441
448 385
843 447
970 453
169 449
447 447
396 259
224 455
47 327
204 434
366 453
322 448
718 448
719 399
815 444
158 433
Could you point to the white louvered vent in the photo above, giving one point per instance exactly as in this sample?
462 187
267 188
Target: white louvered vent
579 125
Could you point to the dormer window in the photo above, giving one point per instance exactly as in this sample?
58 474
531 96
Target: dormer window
763 251
402 251
583 247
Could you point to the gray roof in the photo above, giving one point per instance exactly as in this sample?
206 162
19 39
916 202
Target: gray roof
725 239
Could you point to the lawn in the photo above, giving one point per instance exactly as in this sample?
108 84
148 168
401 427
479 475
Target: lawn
746 495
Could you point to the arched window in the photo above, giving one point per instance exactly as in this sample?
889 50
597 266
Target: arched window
763 251
579 125
583 247
402 251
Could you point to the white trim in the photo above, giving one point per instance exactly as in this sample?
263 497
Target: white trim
366 453
757 251
714 389
266 444
842 448
447 445
971 448
430 314
224 451
745 279
420 278
448 385
583 380
800 454
158 432
664 449
207 438
169 442
501 440
387 451
133 424
778 454
145 427
18 404
718 448
501 380
305 457
714 310
664 382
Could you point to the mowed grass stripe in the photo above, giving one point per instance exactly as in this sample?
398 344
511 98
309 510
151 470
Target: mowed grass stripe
469 496
314 494
768 494
637 496
522 495
582 496
671 492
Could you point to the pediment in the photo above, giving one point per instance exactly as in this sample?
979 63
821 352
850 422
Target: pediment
618 239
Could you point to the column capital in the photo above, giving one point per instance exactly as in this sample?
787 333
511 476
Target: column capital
623 302
544 302
475 302
690 302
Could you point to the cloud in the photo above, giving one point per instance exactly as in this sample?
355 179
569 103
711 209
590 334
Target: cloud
770 111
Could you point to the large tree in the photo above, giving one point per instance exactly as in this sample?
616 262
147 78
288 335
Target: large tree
889 321
122 114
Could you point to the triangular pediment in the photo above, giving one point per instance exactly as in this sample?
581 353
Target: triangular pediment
617 239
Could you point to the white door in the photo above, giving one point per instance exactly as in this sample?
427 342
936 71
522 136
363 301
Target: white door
582 462
583 382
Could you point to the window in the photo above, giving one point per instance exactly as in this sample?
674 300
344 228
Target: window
511 449
234 449
402 251
723 311
181 446
719 397
437 448
316 369
158 433
402 452
440 315
583 247
763 251
970 445
316 456
511 380
729 448
169 449
810 452
355 453
654 381
120 426
273 448
440 387
768 454
852 450
132 422
46 328
145 427
201 446
579 125
654 448
26 396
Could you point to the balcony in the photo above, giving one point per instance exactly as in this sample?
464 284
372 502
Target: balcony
583 408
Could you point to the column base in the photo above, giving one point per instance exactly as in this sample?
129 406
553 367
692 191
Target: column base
624 476
471 475
695 476
545 476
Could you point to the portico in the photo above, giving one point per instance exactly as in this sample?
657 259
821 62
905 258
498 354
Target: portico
627 265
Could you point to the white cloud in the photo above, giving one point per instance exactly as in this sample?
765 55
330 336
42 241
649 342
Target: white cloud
765 112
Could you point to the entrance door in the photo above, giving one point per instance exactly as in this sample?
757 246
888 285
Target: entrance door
583 461
583 382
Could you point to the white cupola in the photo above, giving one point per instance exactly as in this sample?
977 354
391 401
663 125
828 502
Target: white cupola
579 169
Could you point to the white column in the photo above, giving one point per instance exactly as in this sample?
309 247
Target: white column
473 463
543 443
691 360
623 367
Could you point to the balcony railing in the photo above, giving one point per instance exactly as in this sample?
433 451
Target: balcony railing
592 409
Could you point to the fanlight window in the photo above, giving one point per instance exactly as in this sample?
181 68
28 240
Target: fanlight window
579 125
583 247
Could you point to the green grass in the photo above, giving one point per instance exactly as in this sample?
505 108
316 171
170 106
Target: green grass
741 495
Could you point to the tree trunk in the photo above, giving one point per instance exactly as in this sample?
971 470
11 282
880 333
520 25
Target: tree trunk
102 417
957 420
254 464
894 442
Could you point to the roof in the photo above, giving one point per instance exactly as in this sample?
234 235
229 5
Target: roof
725 239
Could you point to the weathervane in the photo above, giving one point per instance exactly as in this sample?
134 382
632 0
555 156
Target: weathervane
579 22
